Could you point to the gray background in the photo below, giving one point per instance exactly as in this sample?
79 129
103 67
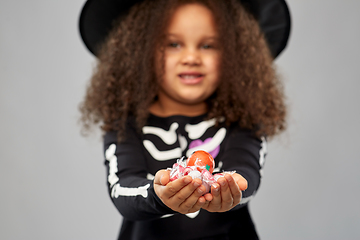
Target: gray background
52 180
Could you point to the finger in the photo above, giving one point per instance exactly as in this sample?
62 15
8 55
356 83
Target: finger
208 197
183 196
234 189
215 204
199 203
206 205
226 196
174 187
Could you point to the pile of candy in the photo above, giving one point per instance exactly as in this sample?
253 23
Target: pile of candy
200 165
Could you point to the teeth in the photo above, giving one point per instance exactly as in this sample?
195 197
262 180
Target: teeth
190 76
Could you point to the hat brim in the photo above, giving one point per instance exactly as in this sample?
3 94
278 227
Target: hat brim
97 17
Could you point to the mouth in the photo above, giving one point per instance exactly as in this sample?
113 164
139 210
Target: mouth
191 78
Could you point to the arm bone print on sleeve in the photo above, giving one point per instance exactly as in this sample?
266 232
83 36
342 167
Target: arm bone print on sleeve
116 189
262 152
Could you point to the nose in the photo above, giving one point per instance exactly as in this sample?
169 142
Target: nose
191 57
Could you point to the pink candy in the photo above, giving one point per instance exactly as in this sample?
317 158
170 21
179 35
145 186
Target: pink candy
176 172
180 169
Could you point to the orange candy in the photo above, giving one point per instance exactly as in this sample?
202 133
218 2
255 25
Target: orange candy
201 160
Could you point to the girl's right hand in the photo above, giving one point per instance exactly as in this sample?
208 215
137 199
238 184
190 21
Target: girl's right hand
183 195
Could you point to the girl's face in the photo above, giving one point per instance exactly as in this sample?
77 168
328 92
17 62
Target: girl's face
191 62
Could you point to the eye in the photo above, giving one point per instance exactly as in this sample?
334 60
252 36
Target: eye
207 46
174 45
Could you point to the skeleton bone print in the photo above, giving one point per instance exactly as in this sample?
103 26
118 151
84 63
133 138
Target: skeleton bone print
194 132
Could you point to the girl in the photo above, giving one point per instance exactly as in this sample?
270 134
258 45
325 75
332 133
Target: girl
175 76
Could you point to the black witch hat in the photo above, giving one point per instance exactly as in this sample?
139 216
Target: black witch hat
97 17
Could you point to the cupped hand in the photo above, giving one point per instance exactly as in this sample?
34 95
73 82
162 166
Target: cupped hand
225 193
183 195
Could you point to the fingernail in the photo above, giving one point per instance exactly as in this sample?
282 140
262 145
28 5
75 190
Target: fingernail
187 180
161 179
200 191
223 183
228 178
215 186
196 184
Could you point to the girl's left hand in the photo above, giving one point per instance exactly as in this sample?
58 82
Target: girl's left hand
225 193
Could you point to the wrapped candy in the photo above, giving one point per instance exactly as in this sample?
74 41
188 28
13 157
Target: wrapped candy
177 171
199 165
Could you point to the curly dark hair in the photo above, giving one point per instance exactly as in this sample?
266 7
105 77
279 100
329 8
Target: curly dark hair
125 82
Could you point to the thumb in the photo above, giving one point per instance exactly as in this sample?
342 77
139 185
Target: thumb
162 177
241 182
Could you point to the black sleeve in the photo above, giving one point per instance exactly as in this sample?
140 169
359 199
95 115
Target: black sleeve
245 153
131 192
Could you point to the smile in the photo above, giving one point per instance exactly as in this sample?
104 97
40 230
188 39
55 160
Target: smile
190 76
191 79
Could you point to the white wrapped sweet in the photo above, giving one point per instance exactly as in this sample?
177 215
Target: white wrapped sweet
180 169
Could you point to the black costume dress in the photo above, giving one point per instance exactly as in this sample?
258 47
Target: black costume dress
132 164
